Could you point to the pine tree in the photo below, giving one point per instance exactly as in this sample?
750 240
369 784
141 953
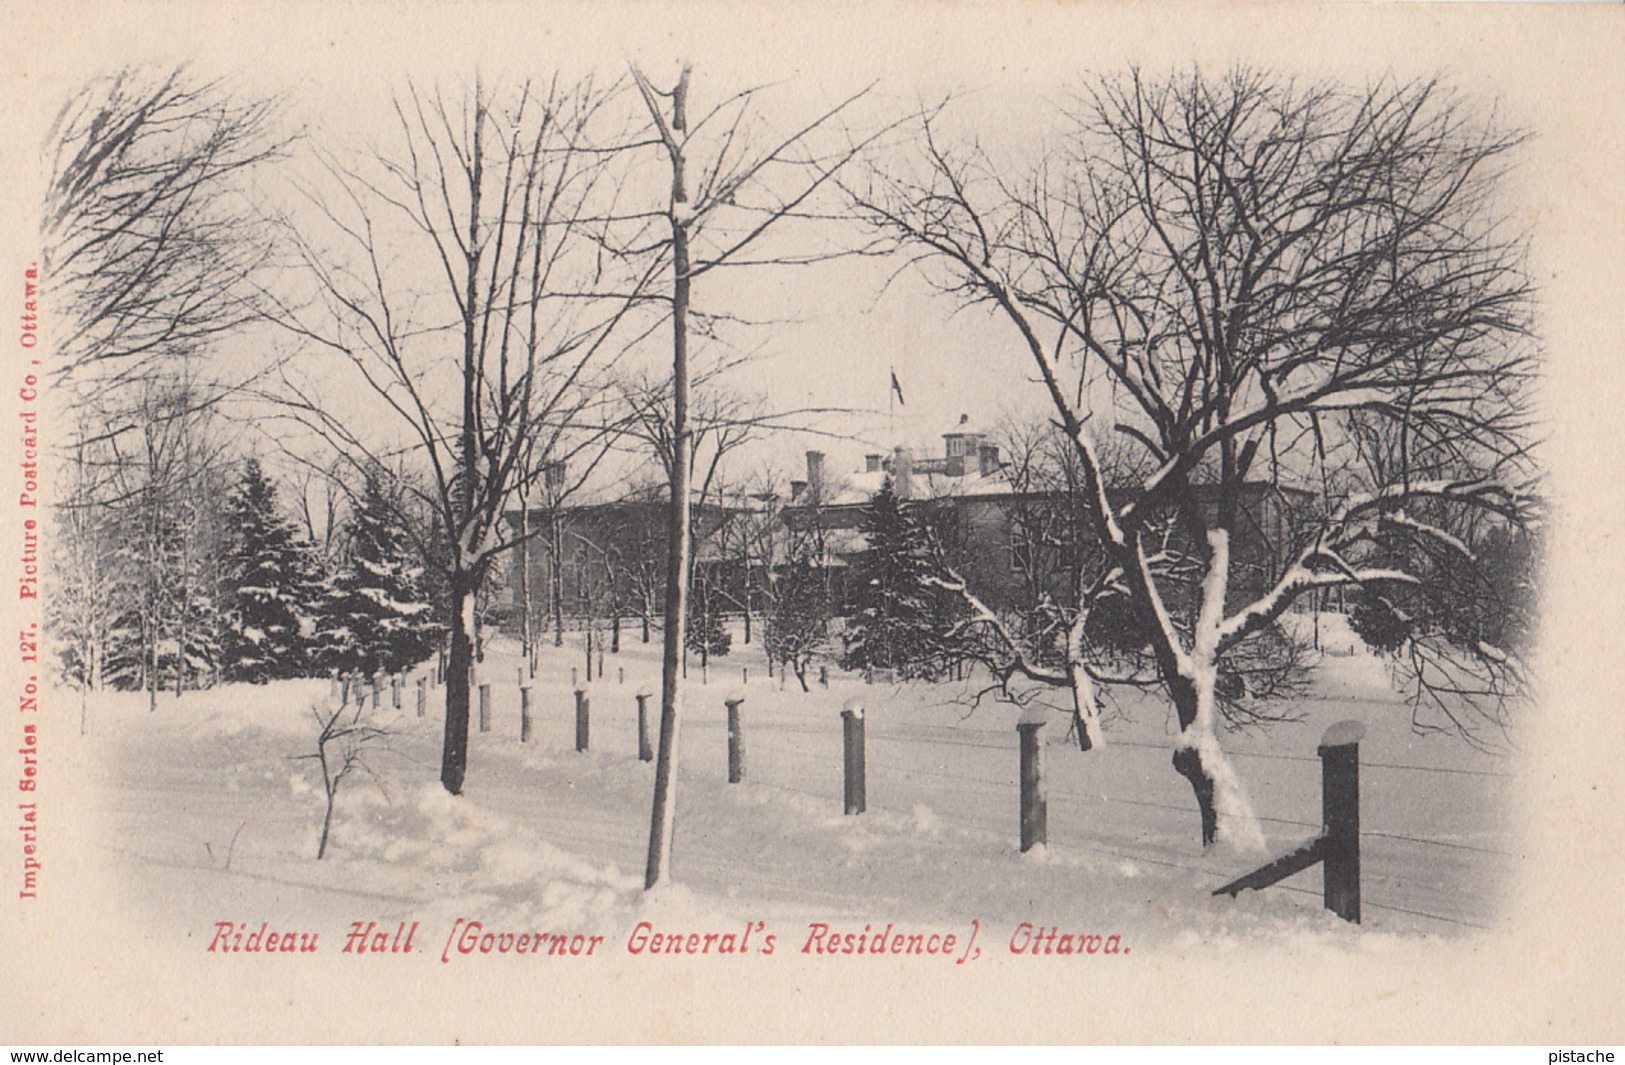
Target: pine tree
377 617
798 618
707 630
900 618
270 585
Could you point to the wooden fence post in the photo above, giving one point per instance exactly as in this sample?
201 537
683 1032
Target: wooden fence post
1034 801
524 713
736 739
423 695
583 708
1340 804
823 676
377 691
395 691
646 751
485 708
854 794
1337 847
334 689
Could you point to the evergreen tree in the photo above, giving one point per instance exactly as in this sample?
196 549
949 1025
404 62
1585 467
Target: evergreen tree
707 630
798 619
271 585
377 617
901 618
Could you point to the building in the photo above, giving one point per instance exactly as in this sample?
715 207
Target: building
604 561
1013 542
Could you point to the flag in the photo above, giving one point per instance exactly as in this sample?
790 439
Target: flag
895 387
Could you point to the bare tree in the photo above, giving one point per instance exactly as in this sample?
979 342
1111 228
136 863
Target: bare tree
86 583
344 737
728 193
481 231
153 248
152 241
1247 263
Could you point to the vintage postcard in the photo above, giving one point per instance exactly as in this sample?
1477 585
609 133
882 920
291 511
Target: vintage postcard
811 523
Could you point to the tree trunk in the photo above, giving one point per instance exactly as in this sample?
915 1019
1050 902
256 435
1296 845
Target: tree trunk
662 821
152 667
556 577
1085 711
1226 812
327 826
526 635
459 666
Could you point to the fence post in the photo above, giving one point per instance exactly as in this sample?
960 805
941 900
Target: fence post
854 794
395 691
645 749
1034 802
736 739
583 708
823 676
485 708
1340 804
575 682
524 713
423 695
334 689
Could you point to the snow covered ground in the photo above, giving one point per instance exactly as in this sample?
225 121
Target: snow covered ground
206 811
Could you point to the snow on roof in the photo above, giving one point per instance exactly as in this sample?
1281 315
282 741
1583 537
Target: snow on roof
859 488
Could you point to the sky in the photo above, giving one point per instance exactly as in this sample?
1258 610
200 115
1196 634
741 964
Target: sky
840 328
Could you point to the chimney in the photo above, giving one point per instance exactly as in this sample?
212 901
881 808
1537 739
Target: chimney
815 469
796 489
987 456
553 476
901 465
871 464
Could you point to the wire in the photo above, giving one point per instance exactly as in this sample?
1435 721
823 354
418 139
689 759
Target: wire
1437 843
